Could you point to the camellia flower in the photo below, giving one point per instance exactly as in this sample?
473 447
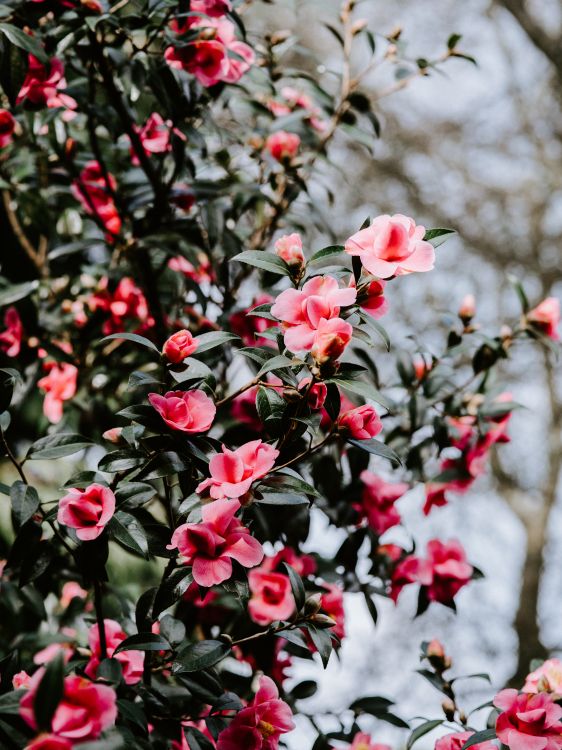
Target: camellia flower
49 742
331 602
125 303
372 299
316 394
546 317
154 136
88 511
283 146
456 740
179 346
361 423
289 249
203 272
7 126
330 340
95 195
301 310
392 245
260 725
305 565
248 326
210 546
271 596
232 472
71 590
132 662
10 339
377 501
213 8
21 680
545 679
528 722
363 741
85 710
187 411
43 85
59 385
435 496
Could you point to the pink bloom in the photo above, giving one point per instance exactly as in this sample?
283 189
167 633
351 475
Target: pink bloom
435 496
392 245
232 472
213 8
210 546
49 742
363 741
289 249
330 340
361 423
243 410
316 394
94 193
456 740
248 326
187 411
84 712
10 339
301 310
203 272
545 679
132 662
261 724
71 590
411 569
528 722
283 146
449 567
372 299
155 136
182 196
272 597
332 604
48 653
377 501
88 511
179 346
305 565
21 680
59 386
7 126
42 85
126 302
467 309
113 435
546 317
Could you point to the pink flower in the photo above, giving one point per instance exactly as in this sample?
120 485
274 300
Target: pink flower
42 85
330 340
372 299
49 742
272 597
154 136
361 423
289 249
132 662
187 411
456 740
316 395
301 310
283 146
59 386
10 339
305 565
113 435
363 741
467 309
213 8
411 569
261 724
203 272
545 679
179 346
48 653
248 326
232 472
332 604
377 501
435 496
84 712
210 546
126 302
7 126
95 195
392 245
21 680
546 317
528 722
88 511
71 590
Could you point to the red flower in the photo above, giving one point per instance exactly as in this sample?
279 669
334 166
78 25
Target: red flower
179 346
272 597
377 502
125 303
372 299
261 724
283 146
210 546
42 85
10 339
546 317
94 193
7 125
247 326
88 511
528 722
330 340
361 423
132 662
332 604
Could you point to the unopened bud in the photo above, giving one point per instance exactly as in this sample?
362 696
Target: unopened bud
70 148
225 638
467 310
359 25
313 604
449 709
280 36
395 34
323 621
463 717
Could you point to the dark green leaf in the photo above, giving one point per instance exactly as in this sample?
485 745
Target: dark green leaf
297 586
484 736
49 692
25 501
58 445
200 655
127 530
377 448
264 260
422 730
327 252
207 341
144 642
134 337
24 41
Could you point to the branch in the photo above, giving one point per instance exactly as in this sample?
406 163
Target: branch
37 256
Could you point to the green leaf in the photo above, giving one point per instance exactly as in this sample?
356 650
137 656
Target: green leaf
422 730
10 702
127 530
121 460
297 586
281 498
207 341
144 642
25 501
22 40
134 493
453 40
280 362
134 337
483 736
438 236
172 589
518 286
374 705
361 388
327 252
323 642
200 655
49 693
377 448
264 260
16 292
58 445
165 464
370 322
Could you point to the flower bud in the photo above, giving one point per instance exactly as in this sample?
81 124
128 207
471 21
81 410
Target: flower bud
313 604
332 337
449 709
179 346
323 621
289 249
467 310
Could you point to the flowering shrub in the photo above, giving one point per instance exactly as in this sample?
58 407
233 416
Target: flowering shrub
217 380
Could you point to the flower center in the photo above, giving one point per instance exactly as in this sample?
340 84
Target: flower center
266 729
